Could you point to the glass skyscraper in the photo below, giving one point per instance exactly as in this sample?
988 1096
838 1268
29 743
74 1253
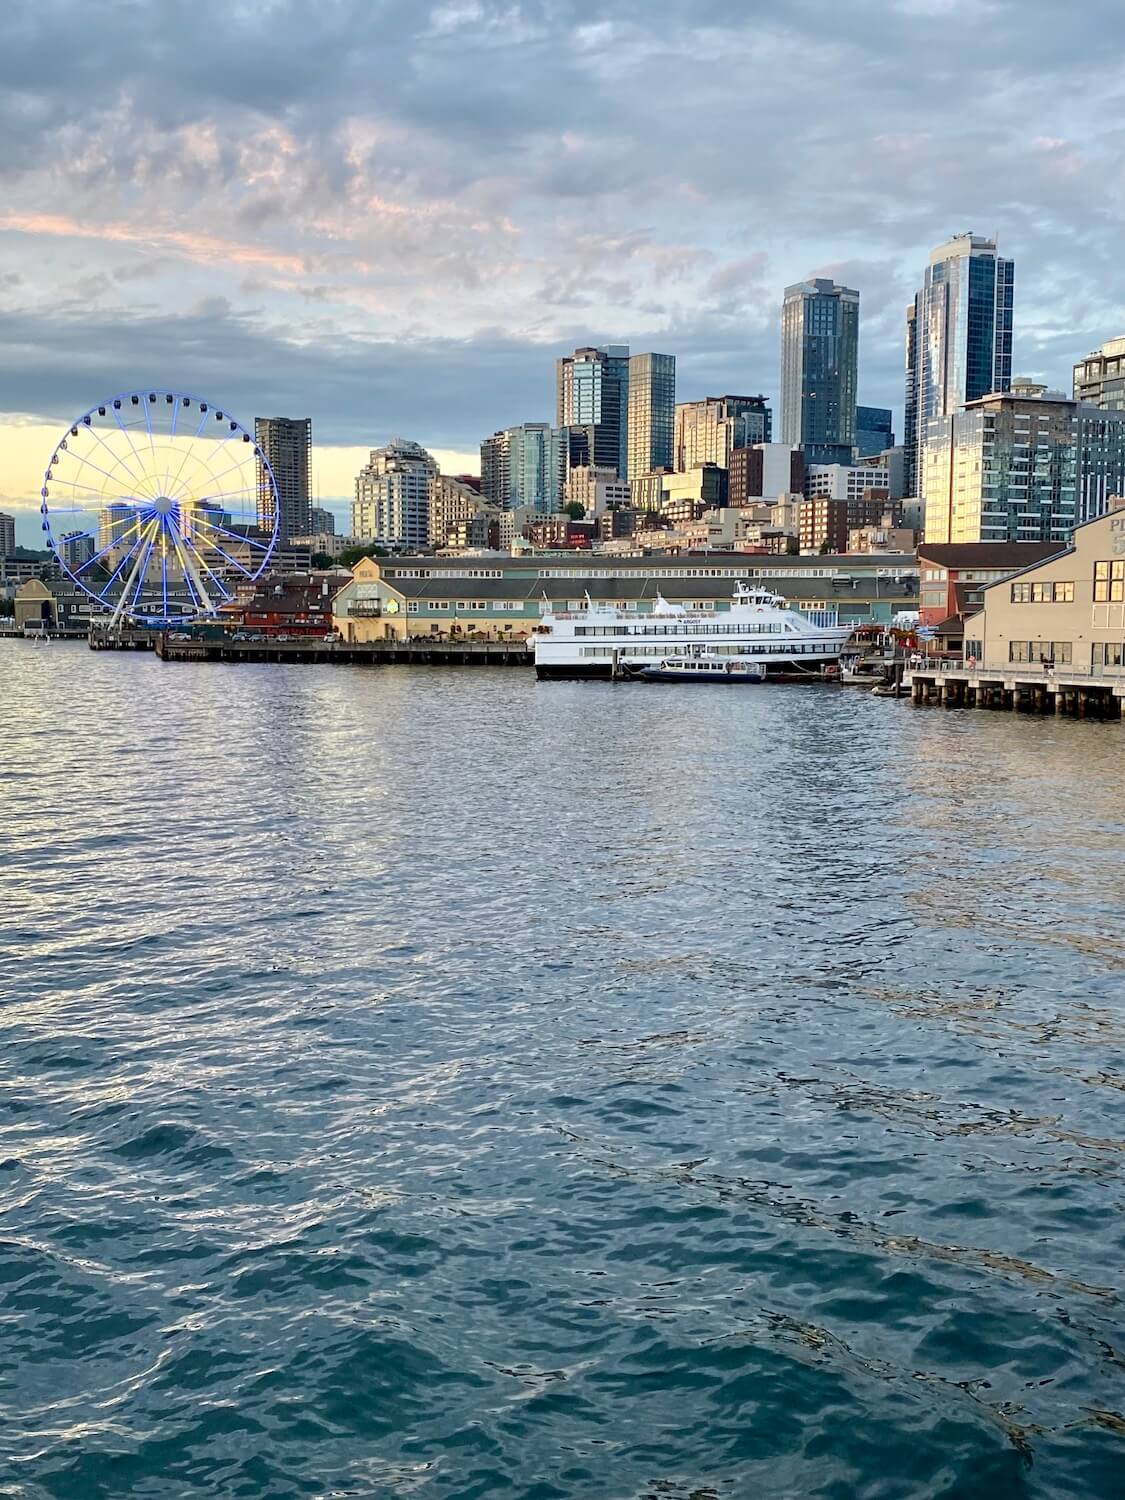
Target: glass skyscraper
652 413
958 338
592 392
819 361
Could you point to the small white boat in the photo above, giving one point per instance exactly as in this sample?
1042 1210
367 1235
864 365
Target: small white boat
702 666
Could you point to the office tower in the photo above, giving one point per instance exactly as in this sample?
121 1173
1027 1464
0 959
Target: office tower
454 506
1099 379
652 412
819 361
592 392
874 432
392 495
322 521
286 444
7 534
708 431
958 336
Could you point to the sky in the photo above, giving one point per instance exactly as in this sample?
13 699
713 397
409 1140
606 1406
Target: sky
393 215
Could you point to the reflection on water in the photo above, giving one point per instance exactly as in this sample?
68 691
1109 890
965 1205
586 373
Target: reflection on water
434 1083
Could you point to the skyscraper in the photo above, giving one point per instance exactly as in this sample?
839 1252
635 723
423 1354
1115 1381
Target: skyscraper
286 443
7 534
819 362
392 495
652 412
708 431
495 467
1099 379
958 336
592 392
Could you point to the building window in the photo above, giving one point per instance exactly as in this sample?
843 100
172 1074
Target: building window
412 606
1035 651
1042 593
439 606
1109 582
1107 654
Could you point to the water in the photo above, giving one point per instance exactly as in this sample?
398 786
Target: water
435 1084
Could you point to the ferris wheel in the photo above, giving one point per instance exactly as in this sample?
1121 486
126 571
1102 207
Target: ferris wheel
159 506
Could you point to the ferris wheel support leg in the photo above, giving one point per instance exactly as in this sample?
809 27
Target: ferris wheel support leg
193 572
126 592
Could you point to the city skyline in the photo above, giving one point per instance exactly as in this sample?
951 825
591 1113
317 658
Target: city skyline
415 264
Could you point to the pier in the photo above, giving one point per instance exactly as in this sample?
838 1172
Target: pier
1065 691
341 653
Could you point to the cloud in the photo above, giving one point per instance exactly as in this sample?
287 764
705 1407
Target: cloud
394 216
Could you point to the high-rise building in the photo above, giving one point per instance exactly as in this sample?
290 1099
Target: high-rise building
286 444
874 430
495 467
592 392
708 431
525 466
392 495
323 521
652 412
7 534
536 468
819 364
1024 465
958 337
1099 379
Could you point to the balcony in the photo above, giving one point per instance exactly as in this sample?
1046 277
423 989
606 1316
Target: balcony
366 610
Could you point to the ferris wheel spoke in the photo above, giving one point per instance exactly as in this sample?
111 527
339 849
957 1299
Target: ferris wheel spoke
234 535
233 561
103 593
117 458
116 542
188 450
89 463
205 460
128 438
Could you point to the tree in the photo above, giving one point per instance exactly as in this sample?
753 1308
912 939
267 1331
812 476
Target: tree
322 560
575 510
351 555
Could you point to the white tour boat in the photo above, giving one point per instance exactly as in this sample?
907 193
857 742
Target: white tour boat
759 630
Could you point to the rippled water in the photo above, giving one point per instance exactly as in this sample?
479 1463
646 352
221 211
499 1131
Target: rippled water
434 1083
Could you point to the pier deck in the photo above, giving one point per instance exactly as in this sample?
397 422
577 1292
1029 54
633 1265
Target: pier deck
1019 689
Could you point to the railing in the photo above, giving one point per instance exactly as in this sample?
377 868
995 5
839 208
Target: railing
1018 669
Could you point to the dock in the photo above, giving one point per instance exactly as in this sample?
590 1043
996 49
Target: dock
1065 691
315 652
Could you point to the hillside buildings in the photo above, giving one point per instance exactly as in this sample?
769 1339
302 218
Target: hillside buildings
286 445
819 369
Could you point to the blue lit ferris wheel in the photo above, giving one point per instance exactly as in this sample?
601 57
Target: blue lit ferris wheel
160 506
